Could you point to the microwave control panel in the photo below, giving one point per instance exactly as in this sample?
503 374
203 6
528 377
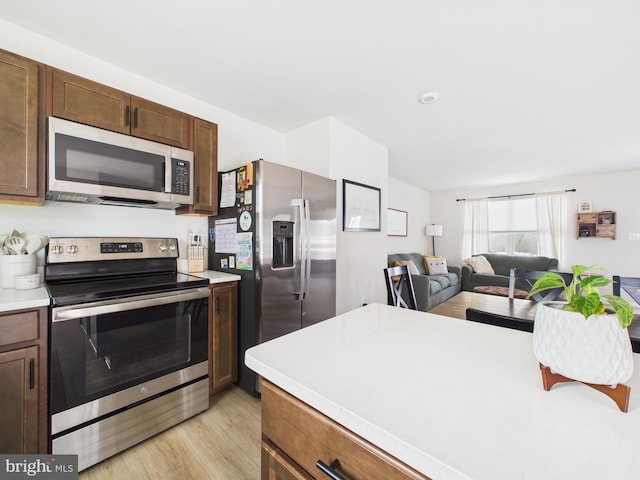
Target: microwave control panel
180 177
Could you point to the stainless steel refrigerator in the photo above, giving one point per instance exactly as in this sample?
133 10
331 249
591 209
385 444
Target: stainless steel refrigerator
276 228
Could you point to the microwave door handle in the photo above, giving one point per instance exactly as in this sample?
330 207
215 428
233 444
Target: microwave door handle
168 173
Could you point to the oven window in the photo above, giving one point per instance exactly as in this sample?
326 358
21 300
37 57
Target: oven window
95 356
89 161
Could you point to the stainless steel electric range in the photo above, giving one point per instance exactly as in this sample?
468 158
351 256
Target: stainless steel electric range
129 349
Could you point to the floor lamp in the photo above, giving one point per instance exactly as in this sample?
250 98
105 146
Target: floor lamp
434 231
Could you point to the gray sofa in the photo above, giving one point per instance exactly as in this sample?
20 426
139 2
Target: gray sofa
502 264
430 289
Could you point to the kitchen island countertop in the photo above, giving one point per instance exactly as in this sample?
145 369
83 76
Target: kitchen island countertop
12 299
453 399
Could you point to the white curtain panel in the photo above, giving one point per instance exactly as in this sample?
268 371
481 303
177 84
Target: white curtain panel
551 217
476 227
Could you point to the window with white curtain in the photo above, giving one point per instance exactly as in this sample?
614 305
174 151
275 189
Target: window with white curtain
512 226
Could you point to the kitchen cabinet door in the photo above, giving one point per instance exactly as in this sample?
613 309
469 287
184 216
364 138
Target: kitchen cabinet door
223 334
23 376
19 401
205 177
302 436
275 465
22 172
160 124
80 100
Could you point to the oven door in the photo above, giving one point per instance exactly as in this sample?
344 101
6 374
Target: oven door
109 355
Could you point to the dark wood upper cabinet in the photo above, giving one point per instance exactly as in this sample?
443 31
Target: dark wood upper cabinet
80 100
205 178
84 101
159 123
22 172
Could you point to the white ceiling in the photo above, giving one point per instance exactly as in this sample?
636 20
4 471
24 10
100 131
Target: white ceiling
527 89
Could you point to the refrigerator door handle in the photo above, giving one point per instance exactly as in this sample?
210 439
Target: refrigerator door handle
303 250
307 248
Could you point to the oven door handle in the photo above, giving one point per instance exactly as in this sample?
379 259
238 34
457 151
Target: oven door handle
59 314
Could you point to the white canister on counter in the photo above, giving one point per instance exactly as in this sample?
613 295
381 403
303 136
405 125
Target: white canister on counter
14 265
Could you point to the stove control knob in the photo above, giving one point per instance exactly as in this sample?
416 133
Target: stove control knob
163 247
172 247
57 249
72 249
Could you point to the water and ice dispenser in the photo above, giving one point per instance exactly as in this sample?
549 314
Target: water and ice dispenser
282 245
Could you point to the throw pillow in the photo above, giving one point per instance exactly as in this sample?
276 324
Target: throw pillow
480 264
437 266
424 260
413 270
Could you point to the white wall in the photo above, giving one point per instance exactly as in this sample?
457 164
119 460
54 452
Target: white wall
416 202
613 191
309 147
363 255
330 148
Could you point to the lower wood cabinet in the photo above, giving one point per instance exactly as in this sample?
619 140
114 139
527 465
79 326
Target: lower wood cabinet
223 336
23 376
295 436
275 464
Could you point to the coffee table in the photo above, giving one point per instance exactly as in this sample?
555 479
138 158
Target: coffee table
457 306
515 308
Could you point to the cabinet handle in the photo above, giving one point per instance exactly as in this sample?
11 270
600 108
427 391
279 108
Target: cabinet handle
32 374
198 194
135 117
330 470
127 115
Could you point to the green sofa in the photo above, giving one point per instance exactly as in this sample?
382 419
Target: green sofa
502 264
430 289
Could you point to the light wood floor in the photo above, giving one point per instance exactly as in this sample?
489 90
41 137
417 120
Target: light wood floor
221 443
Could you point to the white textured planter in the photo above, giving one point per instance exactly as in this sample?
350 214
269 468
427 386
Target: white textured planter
594 350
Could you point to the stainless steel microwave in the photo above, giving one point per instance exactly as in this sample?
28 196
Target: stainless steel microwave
91 165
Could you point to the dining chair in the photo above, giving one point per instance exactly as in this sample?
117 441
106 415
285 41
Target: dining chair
398 282
630 285
526 279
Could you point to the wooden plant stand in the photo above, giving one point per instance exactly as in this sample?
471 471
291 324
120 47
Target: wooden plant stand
619 394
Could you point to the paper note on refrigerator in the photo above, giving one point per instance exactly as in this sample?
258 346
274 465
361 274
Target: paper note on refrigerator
228 190
244 255
225 235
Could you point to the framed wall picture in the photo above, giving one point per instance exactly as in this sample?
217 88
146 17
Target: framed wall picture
360 207
584 207
396 223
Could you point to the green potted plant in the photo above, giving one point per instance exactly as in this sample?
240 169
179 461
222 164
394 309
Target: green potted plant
585 337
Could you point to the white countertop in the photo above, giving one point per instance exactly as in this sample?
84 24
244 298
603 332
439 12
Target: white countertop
217 277
453 399
12 299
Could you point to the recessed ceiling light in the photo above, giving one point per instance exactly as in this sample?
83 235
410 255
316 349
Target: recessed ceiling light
428 97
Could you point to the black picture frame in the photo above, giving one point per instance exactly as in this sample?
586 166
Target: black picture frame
360 207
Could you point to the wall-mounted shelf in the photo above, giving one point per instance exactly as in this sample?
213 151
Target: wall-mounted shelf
597 224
